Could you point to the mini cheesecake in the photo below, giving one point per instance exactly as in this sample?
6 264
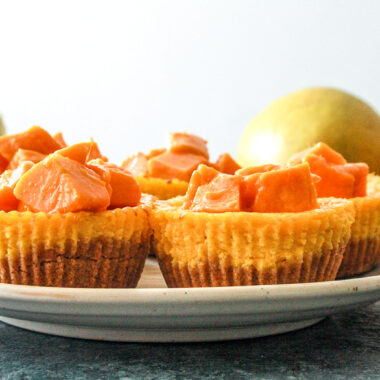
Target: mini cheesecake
214 236
165 173
68 217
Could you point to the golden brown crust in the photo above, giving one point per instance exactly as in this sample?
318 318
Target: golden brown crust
360 257
105 249
322 267
363 250
201 249
100 263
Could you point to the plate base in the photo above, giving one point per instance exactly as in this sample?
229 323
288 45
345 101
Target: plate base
160 335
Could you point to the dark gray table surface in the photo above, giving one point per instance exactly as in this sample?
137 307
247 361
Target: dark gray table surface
345 346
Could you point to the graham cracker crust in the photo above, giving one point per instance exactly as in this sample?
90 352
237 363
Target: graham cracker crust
360 257
322 267
98 263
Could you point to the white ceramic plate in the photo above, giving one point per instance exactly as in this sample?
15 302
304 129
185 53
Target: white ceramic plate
153 313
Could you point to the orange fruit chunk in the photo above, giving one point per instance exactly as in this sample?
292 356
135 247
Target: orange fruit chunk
337 177
249 187
226 164
136 164
81 152
125 189
202 176
359 171
289 189
222 194
8 181
250 183
8 202
155 152
23 155
58 184
187 143
60 140
3 164
22 207
321 149
257 169
34 138
171 165
334 182
329 154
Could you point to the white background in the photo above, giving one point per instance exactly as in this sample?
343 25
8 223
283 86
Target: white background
128 72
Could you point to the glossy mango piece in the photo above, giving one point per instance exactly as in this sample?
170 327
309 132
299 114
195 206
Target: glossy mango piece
187 143
257 169
334 182
249 187
81 152
125 189
8 181
59 184
34 138
3 164
136 164
321 149
174 165
337 177
22 207
226 164
23 155
360 172
155 152
222 194
60 140
202 176
289 189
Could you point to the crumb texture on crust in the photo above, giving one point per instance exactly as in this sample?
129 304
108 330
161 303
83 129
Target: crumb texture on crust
84 249
363 251
360 257
162 188
204 249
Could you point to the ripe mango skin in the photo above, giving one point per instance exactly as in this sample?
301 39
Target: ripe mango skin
303 118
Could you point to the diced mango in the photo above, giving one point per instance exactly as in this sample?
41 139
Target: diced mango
125 189
249 187
60 140
174 165
360 172
334 182
8 181
222 194
202 176
81 152
59 184
23 155
22 207
34 138
8 202
3 164
321 149
257 169
337 177
286 190
329 154
136 164
187 143
226 164
155 152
